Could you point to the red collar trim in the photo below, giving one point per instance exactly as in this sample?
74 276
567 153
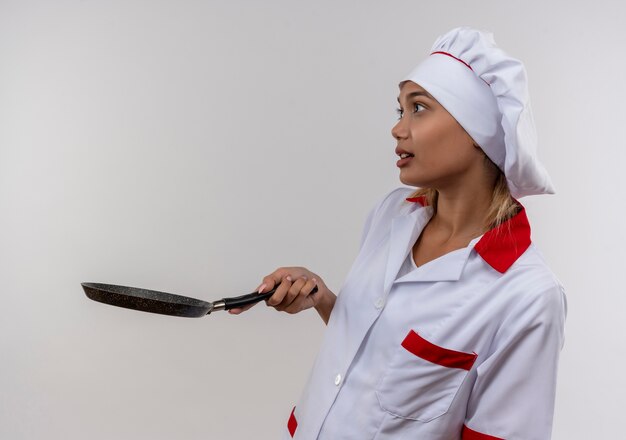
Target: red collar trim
421 200
500 247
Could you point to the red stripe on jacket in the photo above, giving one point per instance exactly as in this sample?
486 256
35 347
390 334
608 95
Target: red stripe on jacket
470 434
436 354
292 424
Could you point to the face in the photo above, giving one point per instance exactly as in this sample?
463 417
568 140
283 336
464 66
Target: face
443 151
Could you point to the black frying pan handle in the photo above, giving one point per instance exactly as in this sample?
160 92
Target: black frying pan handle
251 298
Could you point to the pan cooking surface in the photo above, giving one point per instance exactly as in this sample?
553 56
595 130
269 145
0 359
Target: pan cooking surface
147 300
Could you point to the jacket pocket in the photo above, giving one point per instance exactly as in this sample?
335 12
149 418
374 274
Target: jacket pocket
422 379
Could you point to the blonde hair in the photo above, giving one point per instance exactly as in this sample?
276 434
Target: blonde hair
503 206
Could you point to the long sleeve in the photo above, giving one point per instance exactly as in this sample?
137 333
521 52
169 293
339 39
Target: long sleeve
514 392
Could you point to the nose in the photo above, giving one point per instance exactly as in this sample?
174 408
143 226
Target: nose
399 131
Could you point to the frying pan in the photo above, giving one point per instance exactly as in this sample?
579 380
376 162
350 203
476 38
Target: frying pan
167 303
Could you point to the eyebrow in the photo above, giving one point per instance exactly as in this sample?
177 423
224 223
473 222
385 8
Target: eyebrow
418 93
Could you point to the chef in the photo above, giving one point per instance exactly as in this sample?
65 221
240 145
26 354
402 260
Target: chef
450 323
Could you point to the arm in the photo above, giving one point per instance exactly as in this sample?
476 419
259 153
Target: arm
325 305
514 393
294 300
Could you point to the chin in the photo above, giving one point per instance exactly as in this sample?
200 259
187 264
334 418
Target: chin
412 182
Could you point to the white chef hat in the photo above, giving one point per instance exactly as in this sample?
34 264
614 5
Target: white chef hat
486 91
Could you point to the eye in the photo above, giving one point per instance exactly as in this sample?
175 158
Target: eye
417 104
400 112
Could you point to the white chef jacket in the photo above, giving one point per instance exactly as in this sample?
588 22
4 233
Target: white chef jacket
465 346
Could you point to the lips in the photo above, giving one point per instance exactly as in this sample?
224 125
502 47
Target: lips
400 151
403 162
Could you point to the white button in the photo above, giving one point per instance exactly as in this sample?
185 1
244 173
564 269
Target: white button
338 379
380 302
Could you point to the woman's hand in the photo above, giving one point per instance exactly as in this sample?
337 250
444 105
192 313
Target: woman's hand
294 292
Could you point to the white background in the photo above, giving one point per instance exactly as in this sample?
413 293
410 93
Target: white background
194 147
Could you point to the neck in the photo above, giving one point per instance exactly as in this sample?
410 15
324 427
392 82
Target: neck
461 211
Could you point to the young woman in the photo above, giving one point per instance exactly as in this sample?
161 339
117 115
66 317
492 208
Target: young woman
450 323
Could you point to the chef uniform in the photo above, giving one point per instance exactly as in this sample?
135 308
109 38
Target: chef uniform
465 346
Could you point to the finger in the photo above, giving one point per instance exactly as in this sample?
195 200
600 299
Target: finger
294 291
304 300
312 284
271 280
268 284
281 291
238 310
